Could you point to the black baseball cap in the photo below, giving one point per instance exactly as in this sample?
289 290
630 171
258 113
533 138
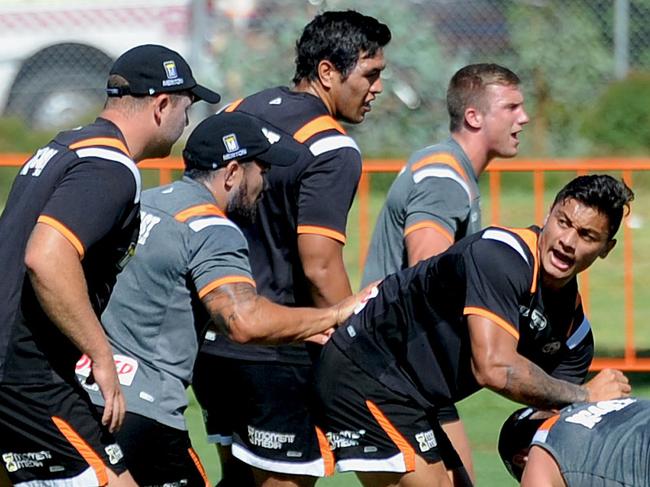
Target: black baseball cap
516 435
229 136
152 69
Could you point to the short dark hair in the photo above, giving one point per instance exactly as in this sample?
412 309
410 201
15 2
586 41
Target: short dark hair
467 88
199 174
339 37
606 194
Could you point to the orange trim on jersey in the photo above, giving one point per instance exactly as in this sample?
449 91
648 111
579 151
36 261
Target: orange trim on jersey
326 232
104 141
472 310
224 280
325 451
199 466
530 239
442 158
84 449
429 224
233 106
548 424
198 210
65 231
319 124
397 438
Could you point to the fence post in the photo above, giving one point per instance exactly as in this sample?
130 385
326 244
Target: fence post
621 38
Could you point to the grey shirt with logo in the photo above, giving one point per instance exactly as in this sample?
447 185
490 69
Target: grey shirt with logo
155 319
437 188
601 444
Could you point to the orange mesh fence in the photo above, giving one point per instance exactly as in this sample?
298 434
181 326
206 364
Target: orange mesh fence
541 170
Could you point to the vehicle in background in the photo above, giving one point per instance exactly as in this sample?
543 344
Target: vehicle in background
55 55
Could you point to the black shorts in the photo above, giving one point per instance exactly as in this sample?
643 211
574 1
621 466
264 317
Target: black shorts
158 455
215 386
269 407
371 428
53 433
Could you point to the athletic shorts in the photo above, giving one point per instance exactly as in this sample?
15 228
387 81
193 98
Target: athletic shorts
371 428
270 414
52 433
158 455
215 387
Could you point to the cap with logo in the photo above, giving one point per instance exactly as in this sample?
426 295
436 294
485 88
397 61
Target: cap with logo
151 69
228 136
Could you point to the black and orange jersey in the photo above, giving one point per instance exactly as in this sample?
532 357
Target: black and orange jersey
413 335
312 196
85 184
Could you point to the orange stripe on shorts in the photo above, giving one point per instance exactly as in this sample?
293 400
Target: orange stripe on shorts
396 437
199 466
326 452
84 449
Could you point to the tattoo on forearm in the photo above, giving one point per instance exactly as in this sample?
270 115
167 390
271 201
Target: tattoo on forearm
531 385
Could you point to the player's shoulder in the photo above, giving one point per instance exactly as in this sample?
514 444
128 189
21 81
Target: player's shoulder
441 161
509 241
301 115
99 142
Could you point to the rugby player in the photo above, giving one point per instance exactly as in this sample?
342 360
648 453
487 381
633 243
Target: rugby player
191 266
69 227
498 309
435 199
296 250
604 444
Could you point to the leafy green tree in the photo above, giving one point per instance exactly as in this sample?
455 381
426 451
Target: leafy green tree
410 113
560 52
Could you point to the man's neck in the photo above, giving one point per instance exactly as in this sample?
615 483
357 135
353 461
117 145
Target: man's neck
133 136
316 89
473 148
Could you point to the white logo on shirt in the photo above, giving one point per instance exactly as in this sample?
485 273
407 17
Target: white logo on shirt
39 161
147 222
593 415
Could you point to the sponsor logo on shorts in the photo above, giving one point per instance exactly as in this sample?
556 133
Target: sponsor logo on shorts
426 440
114 453
34 459
178 483
269 439
344 439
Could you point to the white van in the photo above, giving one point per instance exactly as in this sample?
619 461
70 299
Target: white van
55 55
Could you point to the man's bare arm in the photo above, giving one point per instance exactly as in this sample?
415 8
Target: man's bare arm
424 243
322 262
239 312
58 280
498 366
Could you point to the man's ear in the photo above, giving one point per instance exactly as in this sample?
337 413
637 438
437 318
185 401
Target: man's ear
326 73
608 248
161 104
233 174
473 118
